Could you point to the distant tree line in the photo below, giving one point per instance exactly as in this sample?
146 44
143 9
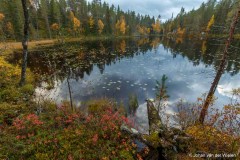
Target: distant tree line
54 18
73 18
213 17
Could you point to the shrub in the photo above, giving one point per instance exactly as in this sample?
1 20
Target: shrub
67 134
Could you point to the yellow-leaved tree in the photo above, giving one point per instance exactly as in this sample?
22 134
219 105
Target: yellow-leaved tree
210 23
91 22
1 16
100 26
143 30
75 22
121 25
157 26
55 27
180 31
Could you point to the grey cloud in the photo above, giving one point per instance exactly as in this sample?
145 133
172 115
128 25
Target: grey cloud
165 8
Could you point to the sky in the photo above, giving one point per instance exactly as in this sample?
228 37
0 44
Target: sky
165 8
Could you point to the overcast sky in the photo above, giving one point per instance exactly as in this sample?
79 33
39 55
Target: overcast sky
165 8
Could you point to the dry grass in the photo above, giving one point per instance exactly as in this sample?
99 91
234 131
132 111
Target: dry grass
9 47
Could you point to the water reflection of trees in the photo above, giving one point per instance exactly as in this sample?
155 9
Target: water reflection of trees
81 57
207 52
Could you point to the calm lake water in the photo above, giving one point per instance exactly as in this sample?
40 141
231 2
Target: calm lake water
121 67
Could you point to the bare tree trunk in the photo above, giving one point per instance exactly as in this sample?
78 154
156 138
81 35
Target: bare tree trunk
69 90
25 42
220 69
48 27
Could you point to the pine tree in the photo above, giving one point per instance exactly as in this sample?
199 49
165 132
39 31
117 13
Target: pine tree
44 15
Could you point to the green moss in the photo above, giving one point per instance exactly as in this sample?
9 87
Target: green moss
126 155
27 89
153 139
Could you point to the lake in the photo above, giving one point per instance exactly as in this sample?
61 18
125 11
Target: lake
118 68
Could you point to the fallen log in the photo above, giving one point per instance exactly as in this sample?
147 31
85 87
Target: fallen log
163 142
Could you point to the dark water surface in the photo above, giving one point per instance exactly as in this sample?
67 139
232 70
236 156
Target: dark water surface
120 67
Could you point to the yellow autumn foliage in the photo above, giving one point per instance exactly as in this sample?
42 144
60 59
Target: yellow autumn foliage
181 31
100 26
210 23
142 41
155 43
210 140
55 26
9 27
143 30
156 27
91 22
76 22
123 46
121 25
1 16
204 47
9 69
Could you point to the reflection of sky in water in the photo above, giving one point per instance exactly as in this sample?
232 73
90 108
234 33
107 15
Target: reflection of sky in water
138 76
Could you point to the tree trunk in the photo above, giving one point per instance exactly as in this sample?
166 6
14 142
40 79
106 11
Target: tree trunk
25 42
154 120
48 27
69 90
220 69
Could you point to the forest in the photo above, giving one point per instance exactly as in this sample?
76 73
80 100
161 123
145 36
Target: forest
89 80
73 18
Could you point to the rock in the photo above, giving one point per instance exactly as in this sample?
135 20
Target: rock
134 131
